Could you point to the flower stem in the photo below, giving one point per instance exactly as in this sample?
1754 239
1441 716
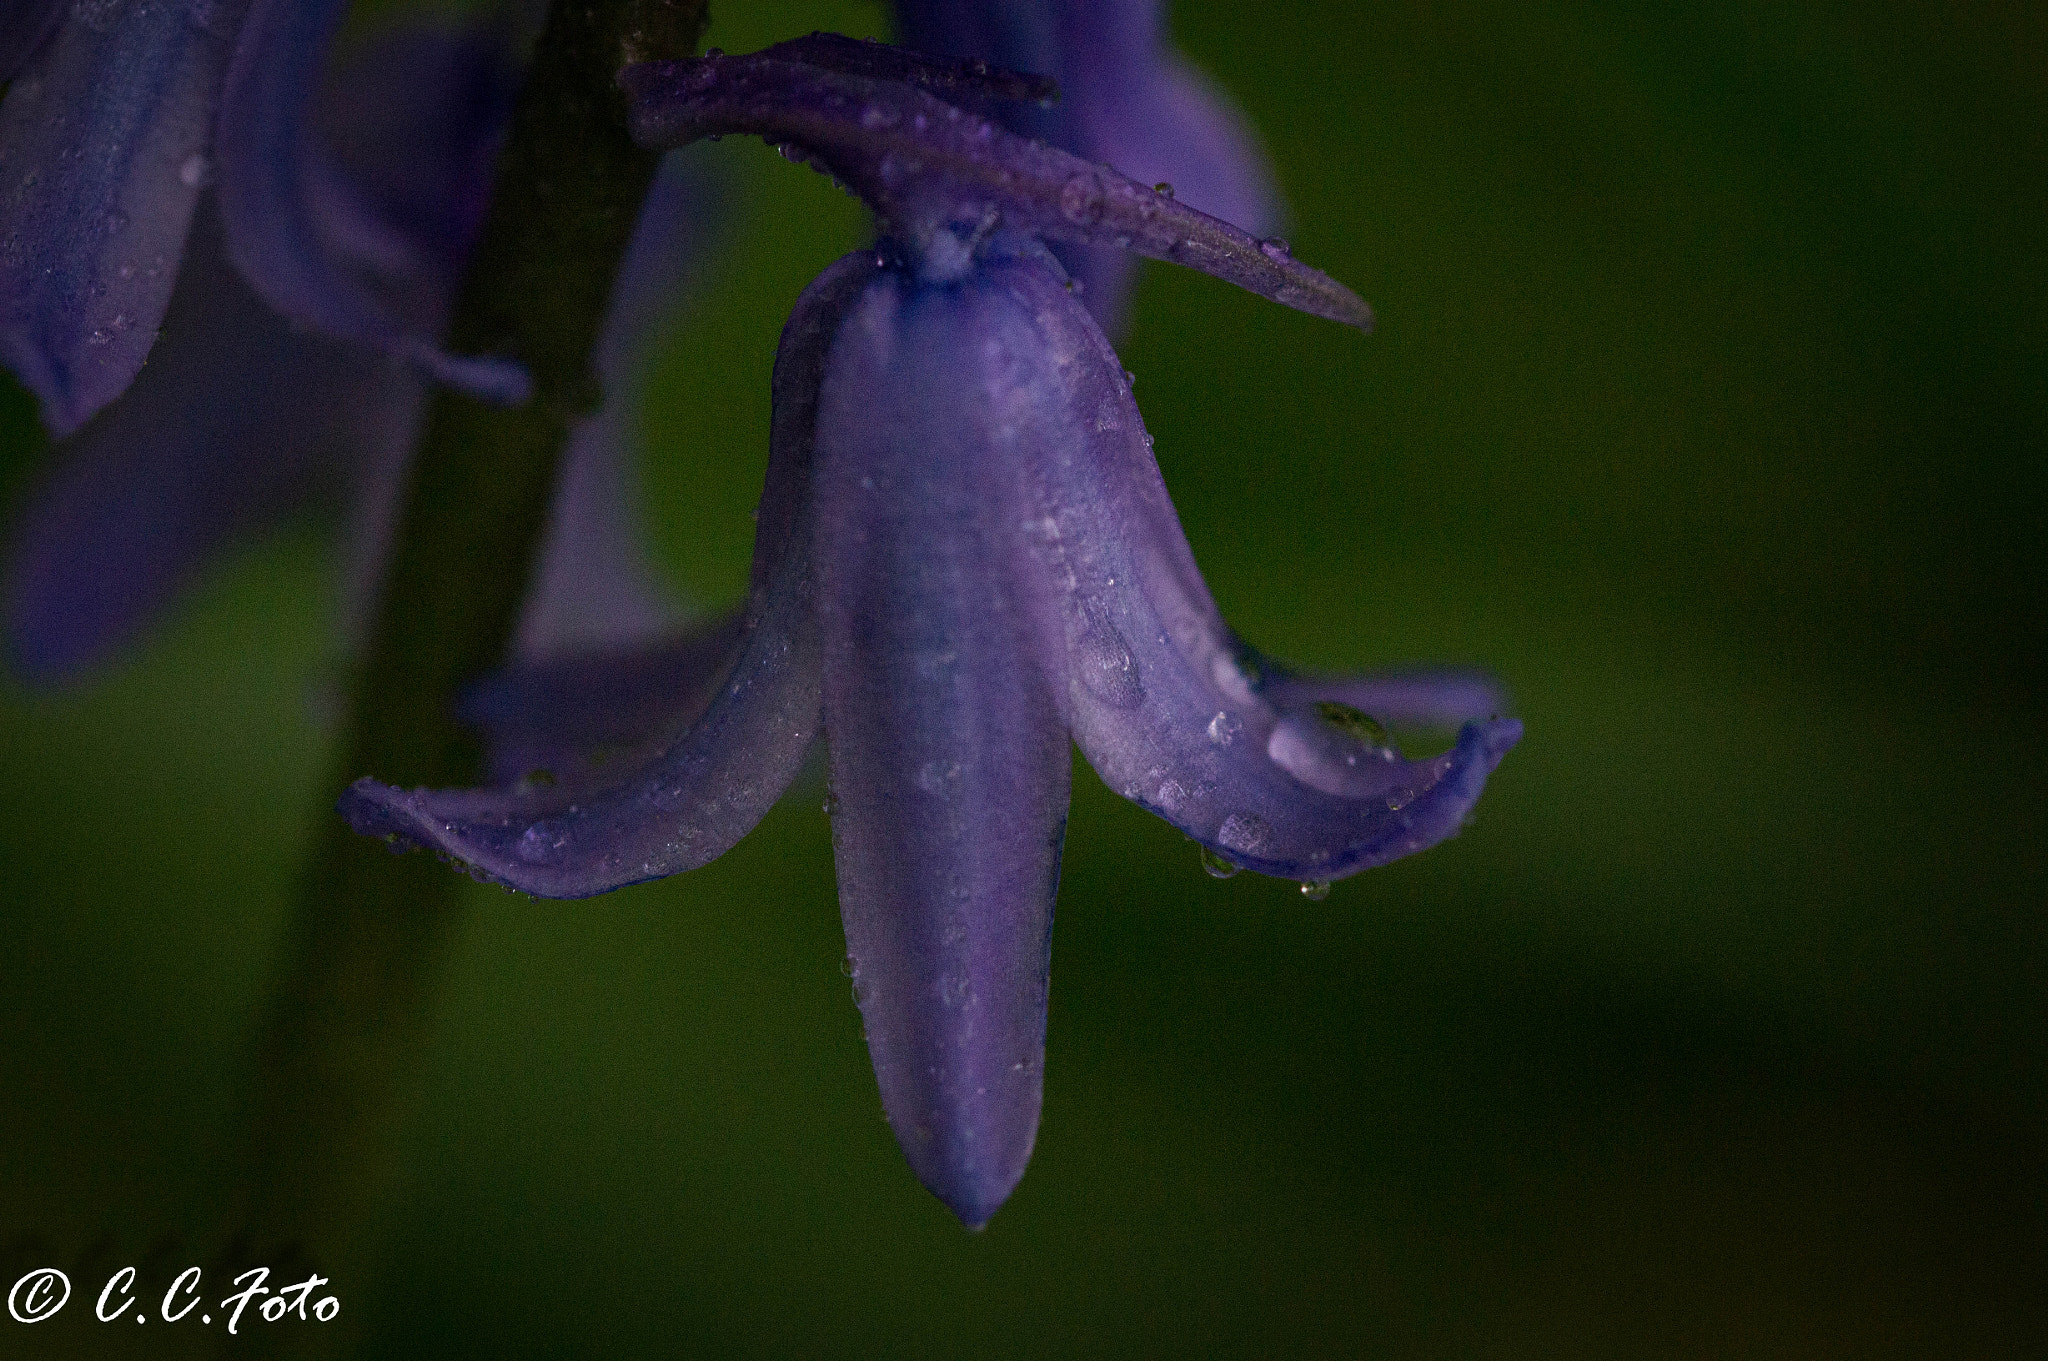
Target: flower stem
370 931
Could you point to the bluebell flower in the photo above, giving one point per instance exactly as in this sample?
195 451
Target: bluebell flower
966 559
249 413
1128 98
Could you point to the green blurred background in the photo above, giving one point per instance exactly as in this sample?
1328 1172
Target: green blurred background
1707 408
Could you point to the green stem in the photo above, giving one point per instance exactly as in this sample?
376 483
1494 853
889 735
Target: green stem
370 930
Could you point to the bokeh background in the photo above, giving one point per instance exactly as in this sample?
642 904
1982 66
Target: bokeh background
1707 408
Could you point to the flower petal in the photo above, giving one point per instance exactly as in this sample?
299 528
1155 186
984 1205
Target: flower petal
691 802
236 420
924 164
949 759
24 25
1161 703
103 149
1127 100
1398 699
268 198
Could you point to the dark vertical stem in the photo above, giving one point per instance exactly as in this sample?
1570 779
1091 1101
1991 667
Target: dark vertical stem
370 930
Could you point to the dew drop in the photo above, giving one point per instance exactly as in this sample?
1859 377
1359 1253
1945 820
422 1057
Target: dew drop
543 842
1081 200
876 116
1246 833
713 53
1276 248
1216 865
1103 661
1224 728
194 171
1163 189
1315 890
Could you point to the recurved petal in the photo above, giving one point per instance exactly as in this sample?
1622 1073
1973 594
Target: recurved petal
104 140
1415 698
923 163
690 802
269 191
237 419
949 758
1161 701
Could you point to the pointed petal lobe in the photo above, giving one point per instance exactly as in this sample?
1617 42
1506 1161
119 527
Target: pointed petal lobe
949 759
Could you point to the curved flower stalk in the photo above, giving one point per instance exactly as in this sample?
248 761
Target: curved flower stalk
243 417
1128 98
119 115
966 557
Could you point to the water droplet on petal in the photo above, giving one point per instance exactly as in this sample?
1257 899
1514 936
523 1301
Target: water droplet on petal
1163 189
1224 728
1105 667
1216 865
1276 248
1081 199
543 842
1245 833
1315 890
194 171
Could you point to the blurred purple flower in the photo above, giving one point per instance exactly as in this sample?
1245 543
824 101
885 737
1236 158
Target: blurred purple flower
119 114
966 557
258 403
1127 99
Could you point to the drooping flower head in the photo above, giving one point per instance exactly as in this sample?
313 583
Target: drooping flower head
966 558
